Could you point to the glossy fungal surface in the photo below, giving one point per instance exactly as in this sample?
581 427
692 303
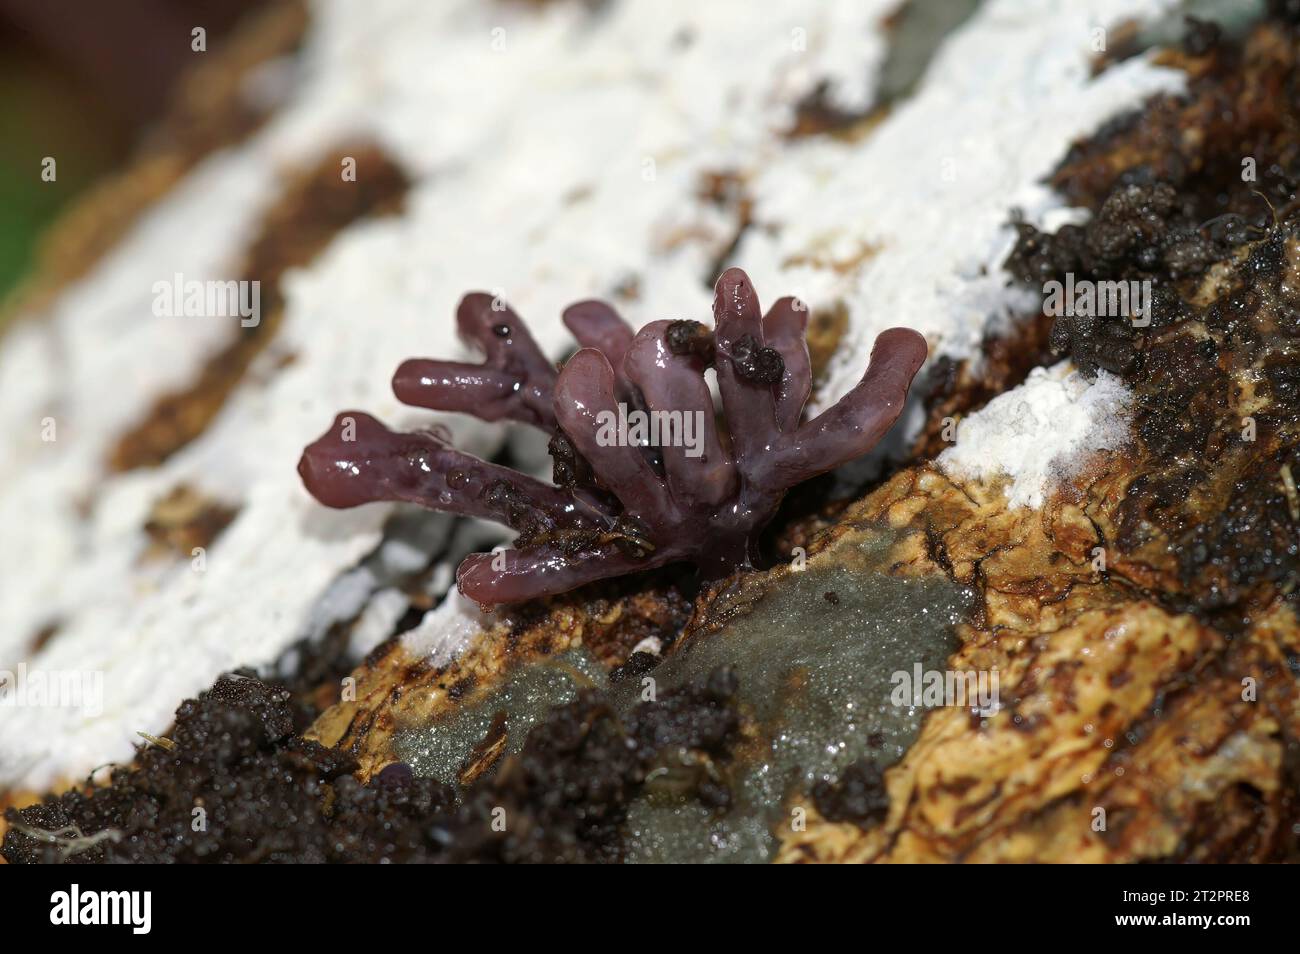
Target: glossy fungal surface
644 473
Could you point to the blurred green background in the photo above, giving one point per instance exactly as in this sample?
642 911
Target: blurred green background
82 80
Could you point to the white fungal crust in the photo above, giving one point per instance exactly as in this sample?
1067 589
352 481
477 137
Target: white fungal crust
1041 432
556 154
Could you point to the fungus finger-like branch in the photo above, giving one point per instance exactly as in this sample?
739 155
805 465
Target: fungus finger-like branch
784 329
513 576
673 385
515 381
358 460
476 389
747 399
586 410
502 335
597 325
858 421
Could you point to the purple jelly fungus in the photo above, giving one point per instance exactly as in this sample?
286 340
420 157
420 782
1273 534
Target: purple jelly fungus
621 501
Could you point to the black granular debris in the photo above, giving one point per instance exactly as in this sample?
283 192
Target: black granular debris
699 717
568 467
569 789
687 735
756 363
240 785
1141 233
858 796
690 337
638 664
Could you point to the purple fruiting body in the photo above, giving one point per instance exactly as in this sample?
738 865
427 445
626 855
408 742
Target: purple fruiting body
618 506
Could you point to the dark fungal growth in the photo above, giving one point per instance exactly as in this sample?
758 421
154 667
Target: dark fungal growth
619 503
